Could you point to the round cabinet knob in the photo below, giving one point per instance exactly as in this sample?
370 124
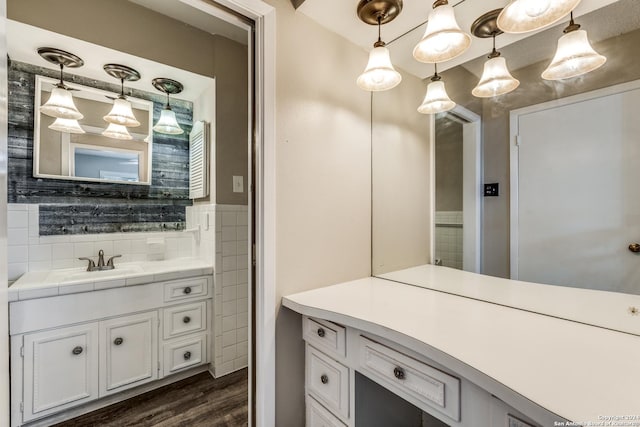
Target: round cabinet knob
635 248
324 379
77 350
186 319
321 332
399 373
187 290
187 355
118 341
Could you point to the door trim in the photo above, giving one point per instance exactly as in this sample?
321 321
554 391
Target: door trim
514 132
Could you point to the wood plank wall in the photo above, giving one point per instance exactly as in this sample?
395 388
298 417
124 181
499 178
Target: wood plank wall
76 207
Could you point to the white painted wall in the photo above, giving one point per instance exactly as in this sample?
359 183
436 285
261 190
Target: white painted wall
323 158
4 305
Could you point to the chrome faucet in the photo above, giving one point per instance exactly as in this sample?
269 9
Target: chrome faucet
101 265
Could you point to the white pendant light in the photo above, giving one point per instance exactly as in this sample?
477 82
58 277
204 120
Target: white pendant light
60 104
443 38
121 113
66 125
521 16
574 56
379 74
117 132
496 79
167 123
436 100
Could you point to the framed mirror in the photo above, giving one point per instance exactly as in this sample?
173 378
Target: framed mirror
91 156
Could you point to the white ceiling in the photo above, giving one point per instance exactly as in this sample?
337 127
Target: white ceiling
403 33
23 41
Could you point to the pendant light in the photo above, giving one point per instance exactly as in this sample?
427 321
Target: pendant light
167 123
379 74
496 79
436 100
66 125
521 16
574 56
60 104
443 38
121 113
116 131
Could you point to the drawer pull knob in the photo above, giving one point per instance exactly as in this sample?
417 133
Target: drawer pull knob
118 341
399 373
77 350
186 319
324 379
187 355
187 290
321 332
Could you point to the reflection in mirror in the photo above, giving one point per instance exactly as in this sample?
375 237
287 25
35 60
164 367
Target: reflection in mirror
567 212
91 156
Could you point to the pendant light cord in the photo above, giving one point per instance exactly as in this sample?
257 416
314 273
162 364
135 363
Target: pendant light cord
494 53
61 84
435 77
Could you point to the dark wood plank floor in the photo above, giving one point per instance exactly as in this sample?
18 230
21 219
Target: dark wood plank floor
199 401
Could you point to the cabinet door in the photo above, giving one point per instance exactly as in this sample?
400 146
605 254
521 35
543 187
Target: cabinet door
60 369
130 352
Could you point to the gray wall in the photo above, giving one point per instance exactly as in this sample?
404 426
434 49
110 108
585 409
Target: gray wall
448 164
621 66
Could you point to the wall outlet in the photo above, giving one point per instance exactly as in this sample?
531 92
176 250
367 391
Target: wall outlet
238 184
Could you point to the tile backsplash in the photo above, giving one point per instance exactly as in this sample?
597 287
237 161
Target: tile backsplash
449 233
28 251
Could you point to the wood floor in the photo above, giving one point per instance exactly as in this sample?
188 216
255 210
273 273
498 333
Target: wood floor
199 401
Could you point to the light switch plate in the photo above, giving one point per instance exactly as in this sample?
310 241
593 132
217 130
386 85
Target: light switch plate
238 184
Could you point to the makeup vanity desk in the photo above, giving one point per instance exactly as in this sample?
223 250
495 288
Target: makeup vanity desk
463 361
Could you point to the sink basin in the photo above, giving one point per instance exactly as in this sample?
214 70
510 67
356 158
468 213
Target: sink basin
75 274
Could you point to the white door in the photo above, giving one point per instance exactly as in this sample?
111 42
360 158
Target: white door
60 369
130 352
578 194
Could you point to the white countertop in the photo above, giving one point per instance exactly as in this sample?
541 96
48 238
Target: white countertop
600 308
40 284
576 371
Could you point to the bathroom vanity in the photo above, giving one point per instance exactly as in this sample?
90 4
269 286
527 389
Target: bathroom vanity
462 361
89 338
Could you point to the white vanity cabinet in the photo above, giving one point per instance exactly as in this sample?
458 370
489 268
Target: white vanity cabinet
85 348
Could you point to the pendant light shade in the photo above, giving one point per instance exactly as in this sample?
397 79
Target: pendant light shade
496 79
521 16
117 132
66 125
379 74
436 100
60 105
167 123
574 57
121 114
443 38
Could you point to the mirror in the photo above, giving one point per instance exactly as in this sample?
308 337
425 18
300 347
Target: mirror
90 156
565 209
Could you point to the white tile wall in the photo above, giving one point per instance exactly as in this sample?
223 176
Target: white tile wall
225 242
28 251
449 238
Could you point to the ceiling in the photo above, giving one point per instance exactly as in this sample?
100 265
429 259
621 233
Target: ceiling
407 29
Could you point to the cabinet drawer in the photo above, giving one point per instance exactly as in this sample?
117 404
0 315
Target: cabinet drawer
318 416
430 388
324 335
182 289
184 353
328 381
184 319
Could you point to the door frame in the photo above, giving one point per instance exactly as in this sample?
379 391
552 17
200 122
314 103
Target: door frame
514 141
471 188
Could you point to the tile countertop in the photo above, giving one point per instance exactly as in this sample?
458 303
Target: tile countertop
40 284
576 371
